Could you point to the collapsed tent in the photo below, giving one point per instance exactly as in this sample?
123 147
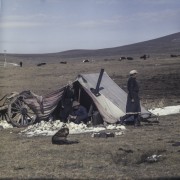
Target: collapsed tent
110 101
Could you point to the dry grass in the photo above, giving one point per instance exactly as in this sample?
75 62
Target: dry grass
94 158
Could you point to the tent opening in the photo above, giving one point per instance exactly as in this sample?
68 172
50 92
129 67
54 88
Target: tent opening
85 100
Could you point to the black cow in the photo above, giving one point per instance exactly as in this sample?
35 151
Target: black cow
122 58
41 64
129 58
144 57
86 60
63 62
173 55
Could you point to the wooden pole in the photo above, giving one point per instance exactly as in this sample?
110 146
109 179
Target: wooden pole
99 82
79 96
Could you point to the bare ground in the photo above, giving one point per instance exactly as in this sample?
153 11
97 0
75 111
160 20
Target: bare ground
121 157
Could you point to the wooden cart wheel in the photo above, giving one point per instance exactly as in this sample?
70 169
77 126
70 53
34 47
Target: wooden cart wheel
19 113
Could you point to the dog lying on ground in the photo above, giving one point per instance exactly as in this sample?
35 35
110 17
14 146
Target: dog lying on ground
61 137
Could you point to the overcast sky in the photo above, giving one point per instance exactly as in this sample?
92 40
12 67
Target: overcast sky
43 26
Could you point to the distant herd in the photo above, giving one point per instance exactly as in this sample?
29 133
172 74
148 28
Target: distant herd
144 57
174 55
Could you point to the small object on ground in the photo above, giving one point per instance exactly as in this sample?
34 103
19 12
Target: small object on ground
126 150
110 134
153 158
176 144
119 133
102 135
1 128
18 168
60 137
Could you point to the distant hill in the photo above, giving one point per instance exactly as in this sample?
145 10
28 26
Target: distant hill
160 47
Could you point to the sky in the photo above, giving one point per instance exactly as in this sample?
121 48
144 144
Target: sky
47 26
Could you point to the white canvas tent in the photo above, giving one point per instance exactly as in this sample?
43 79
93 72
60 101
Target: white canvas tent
111 103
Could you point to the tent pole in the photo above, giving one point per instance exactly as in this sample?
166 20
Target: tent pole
90 111
96 91
79 95
99 81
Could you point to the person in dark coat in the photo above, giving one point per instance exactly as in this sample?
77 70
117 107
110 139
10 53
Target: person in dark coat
133 107
20 64
66 103
79 113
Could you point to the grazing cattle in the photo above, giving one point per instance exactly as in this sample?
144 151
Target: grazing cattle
63 62
144 57
129 58
122 58
173 55
41 64
86 60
